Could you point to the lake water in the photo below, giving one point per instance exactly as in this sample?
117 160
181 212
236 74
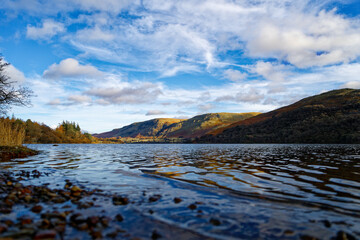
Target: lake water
256 191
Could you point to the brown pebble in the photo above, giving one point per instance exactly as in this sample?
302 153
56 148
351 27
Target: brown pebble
36 208
9 183
9 222
119 218
83 226
118 200
177 200
26 221
3 228
27 198
93 220
112 234
341 235
288 232
45 234
155 235
96 235
192 206
154 198
45 223
327 223
105 221
75 189
215 222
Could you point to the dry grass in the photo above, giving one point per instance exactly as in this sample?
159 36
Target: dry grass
11 134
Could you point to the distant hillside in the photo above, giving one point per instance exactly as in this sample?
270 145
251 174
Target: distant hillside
175 128
203 124
331 117
148 128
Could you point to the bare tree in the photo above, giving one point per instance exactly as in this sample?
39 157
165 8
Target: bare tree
10 94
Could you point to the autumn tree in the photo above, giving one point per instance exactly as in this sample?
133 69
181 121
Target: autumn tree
10 93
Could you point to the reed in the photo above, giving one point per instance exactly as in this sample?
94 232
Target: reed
11 134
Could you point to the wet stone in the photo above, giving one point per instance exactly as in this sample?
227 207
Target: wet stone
37 208
192 206
215 222
3 228
155 235
118 200
154 198
119 218
45 234
341 235
96 235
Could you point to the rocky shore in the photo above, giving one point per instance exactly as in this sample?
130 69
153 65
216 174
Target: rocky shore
72 212
7 153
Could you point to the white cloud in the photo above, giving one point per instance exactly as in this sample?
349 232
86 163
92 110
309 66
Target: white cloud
269 71
234 75
306 39
14 74
94 34
48 29
70 68
136 93
205 107
155 112
352 84
79 99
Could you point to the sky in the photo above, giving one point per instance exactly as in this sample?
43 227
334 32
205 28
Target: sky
106 64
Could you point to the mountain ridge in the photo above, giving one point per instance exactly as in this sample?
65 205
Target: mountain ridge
177 128
330 117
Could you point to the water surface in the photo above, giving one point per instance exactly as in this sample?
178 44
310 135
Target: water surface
258 191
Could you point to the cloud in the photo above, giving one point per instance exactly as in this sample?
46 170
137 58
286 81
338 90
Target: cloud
94 34
154 112
234 75
205 107
70 68
55 102
251 95
306 39
79 99
269 71
14 74
48 29
137 94
352 84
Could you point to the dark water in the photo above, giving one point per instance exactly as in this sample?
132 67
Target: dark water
256 191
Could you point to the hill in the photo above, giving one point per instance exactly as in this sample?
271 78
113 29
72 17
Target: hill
177 128
148 128
331 117
203 124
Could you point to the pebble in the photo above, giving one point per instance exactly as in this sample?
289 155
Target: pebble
192 206
3 228
154 198
155 235
37 208
177 200
118 200
215 222
119 218
45 234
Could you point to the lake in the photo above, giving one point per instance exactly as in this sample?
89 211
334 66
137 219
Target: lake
258 191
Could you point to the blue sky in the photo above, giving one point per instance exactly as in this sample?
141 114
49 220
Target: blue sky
106 64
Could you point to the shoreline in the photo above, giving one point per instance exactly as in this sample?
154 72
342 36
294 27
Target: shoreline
73 212
10 152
